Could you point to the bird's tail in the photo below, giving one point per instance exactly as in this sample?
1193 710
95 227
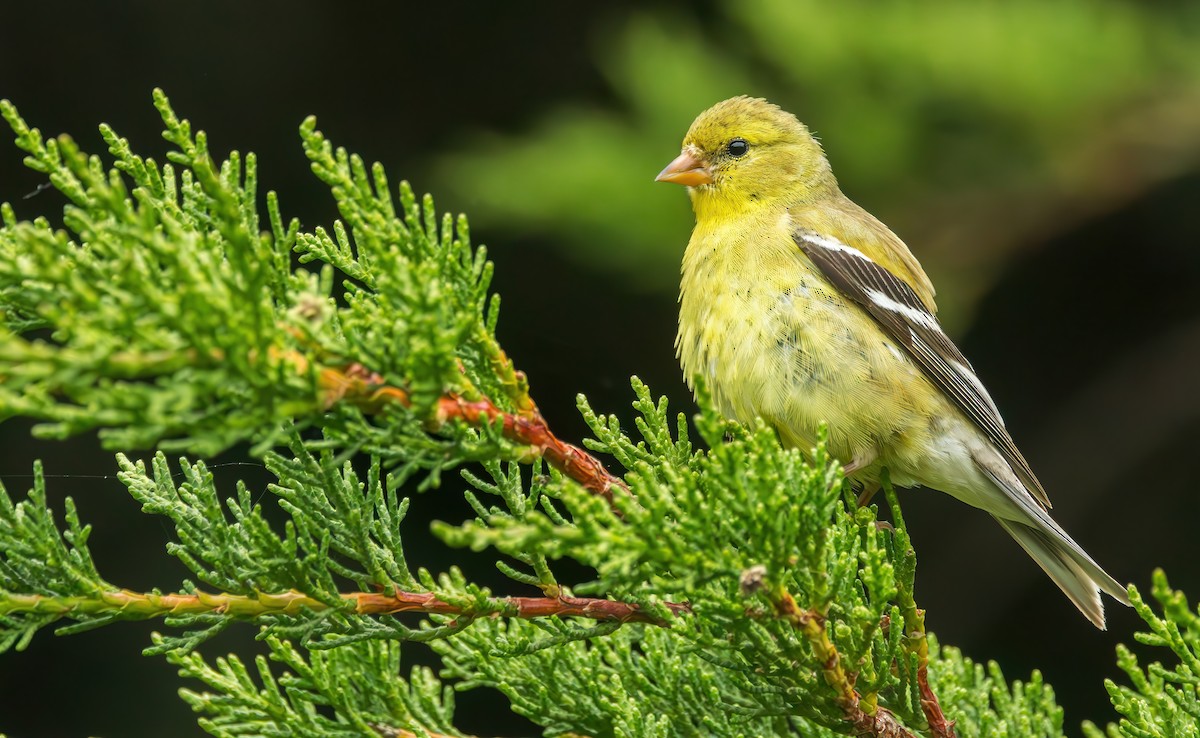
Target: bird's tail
1080 578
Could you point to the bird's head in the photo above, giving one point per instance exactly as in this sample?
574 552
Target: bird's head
745 151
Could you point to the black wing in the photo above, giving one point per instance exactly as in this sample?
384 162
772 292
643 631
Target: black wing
906 320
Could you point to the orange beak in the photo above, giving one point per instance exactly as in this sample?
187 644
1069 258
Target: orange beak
687 169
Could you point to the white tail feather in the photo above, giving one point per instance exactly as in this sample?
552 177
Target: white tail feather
1061 562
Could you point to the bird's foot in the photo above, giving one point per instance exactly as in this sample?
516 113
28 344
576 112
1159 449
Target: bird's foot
869 488
868 492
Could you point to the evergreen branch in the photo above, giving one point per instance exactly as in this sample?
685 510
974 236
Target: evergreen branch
871 720
369 391
1162 698
125 604
744 505
915 641
355 691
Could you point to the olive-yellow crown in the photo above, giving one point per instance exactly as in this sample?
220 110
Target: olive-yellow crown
755 150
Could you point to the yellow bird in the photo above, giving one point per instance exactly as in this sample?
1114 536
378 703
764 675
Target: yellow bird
799 307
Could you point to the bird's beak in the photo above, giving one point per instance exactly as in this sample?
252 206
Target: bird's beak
687 169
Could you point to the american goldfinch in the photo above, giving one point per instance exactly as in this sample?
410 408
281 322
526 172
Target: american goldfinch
799 307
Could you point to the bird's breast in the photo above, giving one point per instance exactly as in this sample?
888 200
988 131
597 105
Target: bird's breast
773 338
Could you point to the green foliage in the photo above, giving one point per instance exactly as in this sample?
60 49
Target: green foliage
735 587
1162 701
43 568
985 704
700 523
341 531
173 321
298 702
921 106
172 279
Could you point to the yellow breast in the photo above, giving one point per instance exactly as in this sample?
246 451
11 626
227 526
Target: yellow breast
772 338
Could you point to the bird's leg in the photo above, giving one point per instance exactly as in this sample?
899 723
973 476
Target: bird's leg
868 492
869 487
861 460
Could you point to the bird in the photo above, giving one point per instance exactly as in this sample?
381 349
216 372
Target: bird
799 307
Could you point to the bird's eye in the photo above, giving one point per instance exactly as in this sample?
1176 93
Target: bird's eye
738 147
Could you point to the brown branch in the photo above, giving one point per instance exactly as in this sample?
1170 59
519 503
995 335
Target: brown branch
130 605
521 607
916 642
387 731
866 717
526 427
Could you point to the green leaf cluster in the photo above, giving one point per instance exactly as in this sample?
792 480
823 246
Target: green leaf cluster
161 315
1161 700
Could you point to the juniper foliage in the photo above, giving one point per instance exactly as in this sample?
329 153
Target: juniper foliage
751 595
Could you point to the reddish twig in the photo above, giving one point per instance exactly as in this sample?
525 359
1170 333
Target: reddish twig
526 427
531 430
939 726
916 642
130 605
521 607
387 731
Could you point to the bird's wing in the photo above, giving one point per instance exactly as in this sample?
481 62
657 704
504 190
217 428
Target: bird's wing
905 319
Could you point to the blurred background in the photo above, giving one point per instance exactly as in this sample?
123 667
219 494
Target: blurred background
1041 158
